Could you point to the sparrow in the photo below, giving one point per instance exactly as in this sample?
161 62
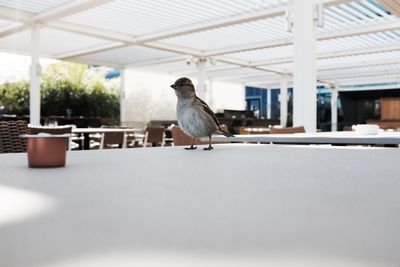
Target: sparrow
195 117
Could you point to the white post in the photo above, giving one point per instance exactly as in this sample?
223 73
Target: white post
334 97
269 102
283 99
305 76
35 70
210 99
122 109
201 82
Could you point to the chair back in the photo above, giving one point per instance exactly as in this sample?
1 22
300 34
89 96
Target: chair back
182 139
154 135
108 140
113 139
10 140
289 130
50 130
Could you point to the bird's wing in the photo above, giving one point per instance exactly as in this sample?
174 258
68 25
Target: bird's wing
207 109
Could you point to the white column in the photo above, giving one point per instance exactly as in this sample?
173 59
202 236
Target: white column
284 101
122 109
35 70
269 103
201 79
334 97
305 76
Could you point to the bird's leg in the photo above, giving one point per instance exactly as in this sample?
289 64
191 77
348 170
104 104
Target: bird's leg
209 144
192 146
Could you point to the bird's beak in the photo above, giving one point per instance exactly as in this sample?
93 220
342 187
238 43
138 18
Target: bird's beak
173 86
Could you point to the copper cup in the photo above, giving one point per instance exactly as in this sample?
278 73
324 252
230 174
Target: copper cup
47 151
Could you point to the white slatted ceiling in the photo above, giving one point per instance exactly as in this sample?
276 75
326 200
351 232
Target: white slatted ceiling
128 55
35 6
140 17
258 31
5 23
53 42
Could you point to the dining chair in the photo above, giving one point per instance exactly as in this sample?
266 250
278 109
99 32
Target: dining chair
113 140
154 135
289 130
10 140
182 139
52 130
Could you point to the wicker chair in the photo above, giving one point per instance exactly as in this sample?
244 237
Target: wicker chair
10 140
52 130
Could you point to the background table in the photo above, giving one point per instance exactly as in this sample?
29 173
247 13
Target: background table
345 138
237 205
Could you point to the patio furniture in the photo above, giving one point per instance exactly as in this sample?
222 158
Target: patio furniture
239 205
289 130
52 130
10 140
333 138
87 131
182 139
154 135
113 140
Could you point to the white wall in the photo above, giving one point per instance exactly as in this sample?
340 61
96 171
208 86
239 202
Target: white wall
223 95
148 96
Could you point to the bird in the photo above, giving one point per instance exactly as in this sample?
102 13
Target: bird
195 117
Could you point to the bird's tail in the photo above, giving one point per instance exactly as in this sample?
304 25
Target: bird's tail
220 131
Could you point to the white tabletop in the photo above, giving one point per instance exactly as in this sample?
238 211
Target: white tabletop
315 138
237 205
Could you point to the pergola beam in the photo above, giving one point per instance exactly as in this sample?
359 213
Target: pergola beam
29 18
346 53
88 50
13 14
363 75
69 9
352 65
158 61
379 27
13 29
369 80
219 23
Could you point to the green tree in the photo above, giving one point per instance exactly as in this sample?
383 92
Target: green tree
64 86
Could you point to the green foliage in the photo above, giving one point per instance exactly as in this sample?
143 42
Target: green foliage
15 97
65 86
